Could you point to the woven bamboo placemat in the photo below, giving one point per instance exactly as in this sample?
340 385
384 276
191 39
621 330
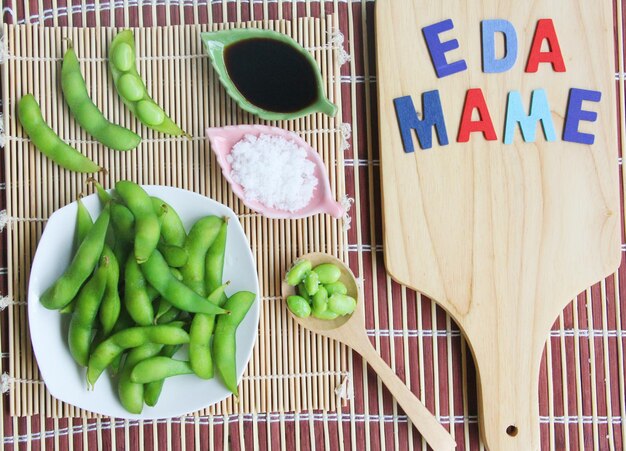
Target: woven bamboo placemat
291 369
582 384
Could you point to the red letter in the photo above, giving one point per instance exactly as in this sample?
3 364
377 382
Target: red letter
545 31
474 100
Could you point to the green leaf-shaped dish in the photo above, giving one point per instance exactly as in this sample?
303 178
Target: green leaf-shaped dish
218 42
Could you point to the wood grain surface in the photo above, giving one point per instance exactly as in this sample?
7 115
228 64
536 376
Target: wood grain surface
501 236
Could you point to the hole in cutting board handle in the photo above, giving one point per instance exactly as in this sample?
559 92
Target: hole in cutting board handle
512 431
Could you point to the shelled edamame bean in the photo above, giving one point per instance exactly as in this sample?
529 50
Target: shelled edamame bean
86 112
319 291
47 141
132 88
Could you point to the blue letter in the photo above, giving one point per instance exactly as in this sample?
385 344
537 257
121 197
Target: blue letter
539 111
491 65
575 114
433 116
438 49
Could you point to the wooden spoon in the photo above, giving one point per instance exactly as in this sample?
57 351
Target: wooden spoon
350 330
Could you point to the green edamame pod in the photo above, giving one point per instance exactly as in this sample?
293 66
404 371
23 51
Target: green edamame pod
224 342
131 394
131 87
320 301
136 299
123 322
336 287
201 236
66 287
163 308
87 113
200 336
299 306
170 315
215 257
159 275
111 302
123 221
327 273
175 256
177 274
172 228
103 195
152 390
47 141
84 223
85 312
109 349
298 272
158 368
147 227
341 304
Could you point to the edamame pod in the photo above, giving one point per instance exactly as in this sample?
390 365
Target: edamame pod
158 368
109 349
85 312
47 141
131 393
201 236
147 227
175 256
111 302
172 228
152 390
136 299
87 113
224 342
214 265
159 275
84 223
66 287
200 336
131 87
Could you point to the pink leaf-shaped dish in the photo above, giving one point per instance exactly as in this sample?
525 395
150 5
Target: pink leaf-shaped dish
223 140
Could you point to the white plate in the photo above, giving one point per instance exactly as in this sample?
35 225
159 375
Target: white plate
48 328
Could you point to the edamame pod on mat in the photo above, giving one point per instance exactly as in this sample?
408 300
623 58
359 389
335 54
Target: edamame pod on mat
132 88
87 113
66 287
47 141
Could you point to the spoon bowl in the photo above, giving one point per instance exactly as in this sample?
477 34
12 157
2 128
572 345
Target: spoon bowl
350 330
329 327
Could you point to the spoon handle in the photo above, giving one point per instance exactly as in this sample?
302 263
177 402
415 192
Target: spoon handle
423 420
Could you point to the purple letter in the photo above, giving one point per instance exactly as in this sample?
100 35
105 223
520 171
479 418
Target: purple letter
575 114
438 49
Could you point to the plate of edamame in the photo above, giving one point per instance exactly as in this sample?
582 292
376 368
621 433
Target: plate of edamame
56 352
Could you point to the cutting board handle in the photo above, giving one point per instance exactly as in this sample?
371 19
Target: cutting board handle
508 399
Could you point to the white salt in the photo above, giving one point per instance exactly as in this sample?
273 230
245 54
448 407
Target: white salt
273 171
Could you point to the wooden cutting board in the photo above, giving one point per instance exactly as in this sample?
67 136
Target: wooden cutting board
502 236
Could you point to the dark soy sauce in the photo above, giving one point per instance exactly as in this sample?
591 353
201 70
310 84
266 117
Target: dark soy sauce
271 74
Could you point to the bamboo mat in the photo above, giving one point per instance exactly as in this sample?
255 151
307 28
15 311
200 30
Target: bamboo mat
582 390
290 369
